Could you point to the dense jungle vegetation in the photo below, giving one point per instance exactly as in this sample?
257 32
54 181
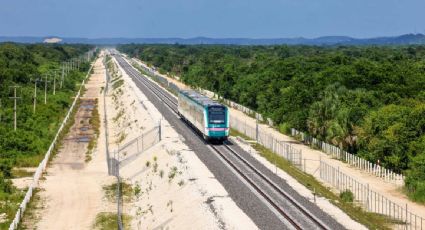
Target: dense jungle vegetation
367 100
20 64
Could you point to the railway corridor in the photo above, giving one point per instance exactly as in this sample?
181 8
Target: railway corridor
258 207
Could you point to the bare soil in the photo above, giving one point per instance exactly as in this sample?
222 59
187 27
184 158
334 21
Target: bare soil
72 190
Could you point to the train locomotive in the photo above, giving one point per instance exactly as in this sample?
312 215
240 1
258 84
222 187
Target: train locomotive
209 117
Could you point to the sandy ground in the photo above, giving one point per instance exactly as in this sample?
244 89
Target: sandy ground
176 190
390 190
72 191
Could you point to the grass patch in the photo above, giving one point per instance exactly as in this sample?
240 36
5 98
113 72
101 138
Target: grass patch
19 173
347 196
111 192
109 221
94 121
117 84
172 173
370 220
30 214
121 137
118 116
9 203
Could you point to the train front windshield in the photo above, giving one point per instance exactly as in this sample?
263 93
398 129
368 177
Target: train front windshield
217 115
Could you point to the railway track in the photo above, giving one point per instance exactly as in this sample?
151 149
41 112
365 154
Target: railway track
292 212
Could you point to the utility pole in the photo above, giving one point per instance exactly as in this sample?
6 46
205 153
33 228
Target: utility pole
35 94
54 82
14 105
62 76
45 88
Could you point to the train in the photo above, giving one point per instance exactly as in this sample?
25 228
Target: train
209 117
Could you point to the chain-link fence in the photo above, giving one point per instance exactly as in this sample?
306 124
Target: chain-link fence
132 149
125 154
105 117
371 200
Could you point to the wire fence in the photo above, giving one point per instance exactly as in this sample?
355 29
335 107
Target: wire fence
105 117
281 148
130 151
371 200
351 159
42 166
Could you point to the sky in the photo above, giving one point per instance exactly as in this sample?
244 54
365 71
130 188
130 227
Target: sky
211 18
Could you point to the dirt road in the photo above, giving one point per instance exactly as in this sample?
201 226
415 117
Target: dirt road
72 192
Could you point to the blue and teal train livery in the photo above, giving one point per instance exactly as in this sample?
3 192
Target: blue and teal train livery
209 117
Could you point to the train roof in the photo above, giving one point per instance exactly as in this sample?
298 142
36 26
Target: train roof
199 98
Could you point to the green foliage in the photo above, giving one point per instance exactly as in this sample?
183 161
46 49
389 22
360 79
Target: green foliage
415 180
367 100
125 188
109 221
117 84
347 196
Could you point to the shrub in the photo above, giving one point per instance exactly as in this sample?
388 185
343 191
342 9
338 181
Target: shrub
347 196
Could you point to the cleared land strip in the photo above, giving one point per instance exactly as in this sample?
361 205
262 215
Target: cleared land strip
71 193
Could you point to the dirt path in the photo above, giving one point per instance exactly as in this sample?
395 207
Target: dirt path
72 192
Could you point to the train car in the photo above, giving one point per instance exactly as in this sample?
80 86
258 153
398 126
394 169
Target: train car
207 116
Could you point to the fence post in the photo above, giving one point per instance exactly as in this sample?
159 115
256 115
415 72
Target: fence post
320 165
256 130
337 178
137 143
406 217
367 196
159 131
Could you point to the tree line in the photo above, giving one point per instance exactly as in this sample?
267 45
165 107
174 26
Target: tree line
367 100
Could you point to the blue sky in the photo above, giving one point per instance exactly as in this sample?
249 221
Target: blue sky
211 18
